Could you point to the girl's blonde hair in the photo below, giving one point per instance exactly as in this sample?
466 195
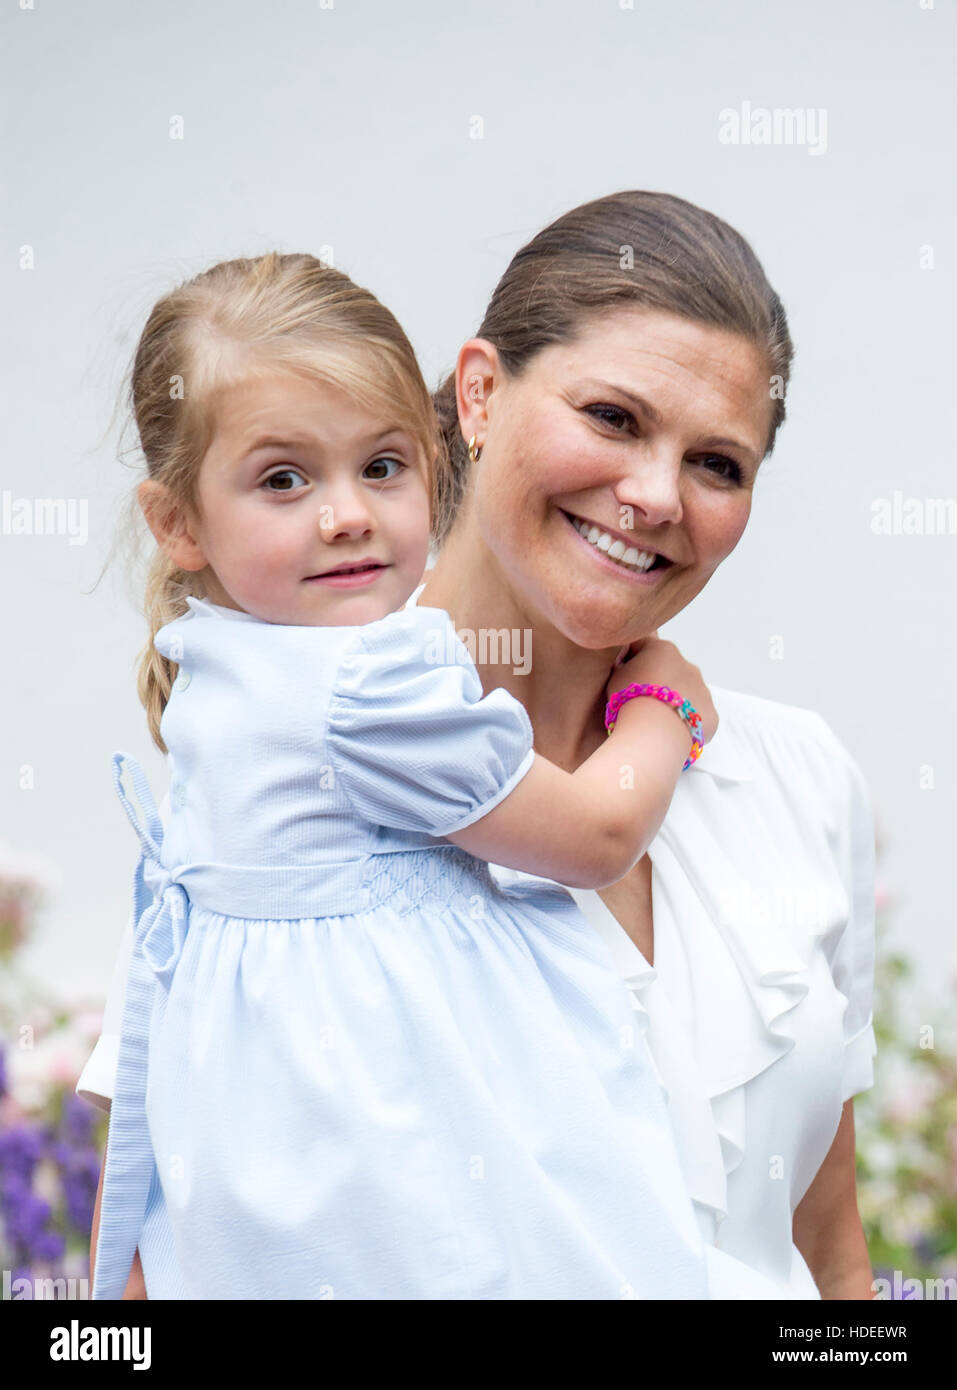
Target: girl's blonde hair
238 320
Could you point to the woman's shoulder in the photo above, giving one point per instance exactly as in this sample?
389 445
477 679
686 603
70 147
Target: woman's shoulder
744 711
757 734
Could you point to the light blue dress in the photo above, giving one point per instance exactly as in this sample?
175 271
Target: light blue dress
352 1064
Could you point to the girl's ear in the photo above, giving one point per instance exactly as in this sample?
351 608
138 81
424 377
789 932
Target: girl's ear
170 526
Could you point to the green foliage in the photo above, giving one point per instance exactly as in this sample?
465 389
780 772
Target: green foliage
907 1132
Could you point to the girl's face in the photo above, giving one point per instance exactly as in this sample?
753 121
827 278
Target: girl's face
299 481
648 427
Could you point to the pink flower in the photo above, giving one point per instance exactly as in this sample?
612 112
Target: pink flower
11 1112
63 1070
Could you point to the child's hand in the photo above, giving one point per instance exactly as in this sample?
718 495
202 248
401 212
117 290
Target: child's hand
658 662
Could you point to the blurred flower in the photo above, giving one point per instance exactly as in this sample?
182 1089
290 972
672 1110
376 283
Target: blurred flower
907 1130
26 881
50 1140
911 1098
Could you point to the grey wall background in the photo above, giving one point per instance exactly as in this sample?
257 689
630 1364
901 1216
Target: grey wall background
350 125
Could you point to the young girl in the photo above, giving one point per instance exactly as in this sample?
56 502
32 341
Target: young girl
352 1066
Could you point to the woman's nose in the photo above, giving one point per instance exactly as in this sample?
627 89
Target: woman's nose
652 489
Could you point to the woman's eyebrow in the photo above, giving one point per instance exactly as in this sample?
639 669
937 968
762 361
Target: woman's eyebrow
654 415
646 406
715 443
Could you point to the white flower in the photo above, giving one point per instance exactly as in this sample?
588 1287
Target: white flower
53 1061
37 871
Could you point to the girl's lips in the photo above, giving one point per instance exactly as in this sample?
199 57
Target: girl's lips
357 580
623 571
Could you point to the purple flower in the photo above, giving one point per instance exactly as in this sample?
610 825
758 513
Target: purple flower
26 1220
924 1248
48 1245
80 1180
3 1072
78 1119
21 1148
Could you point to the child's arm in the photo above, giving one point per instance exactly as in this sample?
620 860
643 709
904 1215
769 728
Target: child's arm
587 828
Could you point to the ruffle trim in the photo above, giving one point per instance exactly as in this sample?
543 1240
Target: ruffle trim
705 1100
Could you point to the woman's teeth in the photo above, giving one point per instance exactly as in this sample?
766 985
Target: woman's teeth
615 549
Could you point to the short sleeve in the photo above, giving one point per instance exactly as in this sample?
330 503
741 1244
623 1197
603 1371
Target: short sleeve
852 965
98 1077
413 742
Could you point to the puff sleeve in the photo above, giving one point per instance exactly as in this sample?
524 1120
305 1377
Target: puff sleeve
852 965
414 743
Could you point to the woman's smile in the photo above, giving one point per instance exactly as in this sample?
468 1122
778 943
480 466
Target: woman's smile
608 550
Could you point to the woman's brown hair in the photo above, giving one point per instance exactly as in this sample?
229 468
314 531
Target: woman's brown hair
625 250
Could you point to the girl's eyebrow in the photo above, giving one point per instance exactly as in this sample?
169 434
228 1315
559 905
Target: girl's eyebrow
306 441
269 441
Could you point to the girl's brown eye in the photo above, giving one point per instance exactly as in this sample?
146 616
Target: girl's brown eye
375 462
283 473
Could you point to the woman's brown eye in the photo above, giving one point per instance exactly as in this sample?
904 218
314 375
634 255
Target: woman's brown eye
609 414
725 467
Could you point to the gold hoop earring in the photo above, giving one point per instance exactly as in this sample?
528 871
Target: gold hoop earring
474 453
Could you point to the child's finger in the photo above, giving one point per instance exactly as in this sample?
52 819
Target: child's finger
633 648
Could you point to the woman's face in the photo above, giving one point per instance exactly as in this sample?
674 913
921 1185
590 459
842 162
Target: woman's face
649 428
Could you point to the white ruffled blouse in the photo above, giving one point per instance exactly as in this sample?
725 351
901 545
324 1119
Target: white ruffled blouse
757 1011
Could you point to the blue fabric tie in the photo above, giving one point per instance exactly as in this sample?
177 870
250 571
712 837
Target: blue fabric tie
161 918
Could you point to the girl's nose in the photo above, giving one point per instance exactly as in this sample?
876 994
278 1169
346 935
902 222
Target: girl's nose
346 512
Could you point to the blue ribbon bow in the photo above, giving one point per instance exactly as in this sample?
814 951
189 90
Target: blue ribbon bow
161 921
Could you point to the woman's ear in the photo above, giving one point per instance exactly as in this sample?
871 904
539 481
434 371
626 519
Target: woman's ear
170 526
475 372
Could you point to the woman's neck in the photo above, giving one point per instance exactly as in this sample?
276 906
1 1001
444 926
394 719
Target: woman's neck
561 684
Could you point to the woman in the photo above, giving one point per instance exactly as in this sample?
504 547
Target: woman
625 385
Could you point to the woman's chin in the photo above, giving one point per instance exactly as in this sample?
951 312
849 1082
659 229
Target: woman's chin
607 631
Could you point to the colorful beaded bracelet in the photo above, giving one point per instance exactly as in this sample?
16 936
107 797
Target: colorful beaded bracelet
670 697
